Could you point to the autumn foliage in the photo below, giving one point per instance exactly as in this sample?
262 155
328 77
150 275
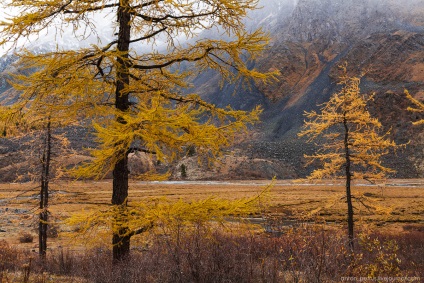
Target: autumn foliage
135 100
351 140
417 107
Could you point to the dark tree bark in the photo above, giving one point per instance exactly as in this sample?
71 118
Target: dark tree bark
348 181
44 193
121 244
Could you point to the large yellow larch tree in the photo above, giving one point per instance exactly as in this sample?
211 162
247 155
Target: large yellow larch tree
350 140
134 98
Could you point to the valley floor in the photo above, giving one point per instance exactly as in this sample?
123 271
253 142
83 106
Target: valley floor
301 236
395 206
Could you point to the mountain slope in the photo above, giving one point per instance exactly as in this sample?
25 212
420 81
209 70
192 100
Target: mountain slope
383 40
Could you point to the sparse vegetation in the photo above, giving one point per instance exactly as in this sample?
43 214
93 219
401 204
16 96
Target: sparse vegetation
306 254
297 248
352 144
26 237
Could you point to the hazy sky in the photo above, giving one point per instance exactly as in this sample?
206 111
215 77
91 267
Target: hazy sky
105 24
65 37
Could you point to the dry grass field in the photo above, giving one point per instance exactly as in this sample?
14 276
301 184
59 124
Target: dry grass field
395 206
391 217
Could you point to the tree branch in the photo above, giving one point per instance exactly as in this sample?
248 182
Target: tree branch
142 230
135 149
149 36
165 64
161 19
97 8
89 9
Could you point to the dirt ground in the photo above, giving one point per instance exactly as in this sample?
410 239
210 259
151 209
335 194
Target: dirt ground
395 206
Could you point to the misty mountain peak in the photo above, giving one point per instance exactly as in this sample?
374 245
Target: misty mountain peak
329 20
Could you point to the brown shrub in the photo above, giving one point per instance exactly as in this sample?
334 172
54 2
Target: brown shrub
8 256
411 250
304 254
52 231
26 238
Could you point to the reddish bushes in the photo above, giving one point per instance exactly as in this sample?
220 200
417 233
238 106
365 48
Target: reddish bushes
303 255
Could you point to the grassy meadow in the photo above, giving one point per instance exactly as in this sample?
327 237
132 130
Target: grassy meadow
300 236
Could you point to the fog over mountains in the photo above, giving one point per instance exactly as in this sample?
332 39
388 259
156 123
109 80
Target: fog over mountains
274 16
309 39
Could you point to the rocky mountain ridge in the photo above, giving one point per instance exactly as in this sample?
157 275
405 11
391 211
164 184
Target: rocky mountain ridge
382 40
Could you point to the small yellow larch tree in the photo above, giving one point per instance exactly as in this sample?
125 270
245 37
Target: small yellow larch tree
350 141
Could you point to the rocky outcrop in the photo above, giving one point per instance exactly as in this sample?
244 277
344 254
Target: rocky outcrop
140 163
234 166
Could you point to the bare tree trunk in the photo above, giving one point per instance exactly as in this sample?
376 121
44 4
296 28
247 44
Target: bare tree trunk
44 193
121 244
348 182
